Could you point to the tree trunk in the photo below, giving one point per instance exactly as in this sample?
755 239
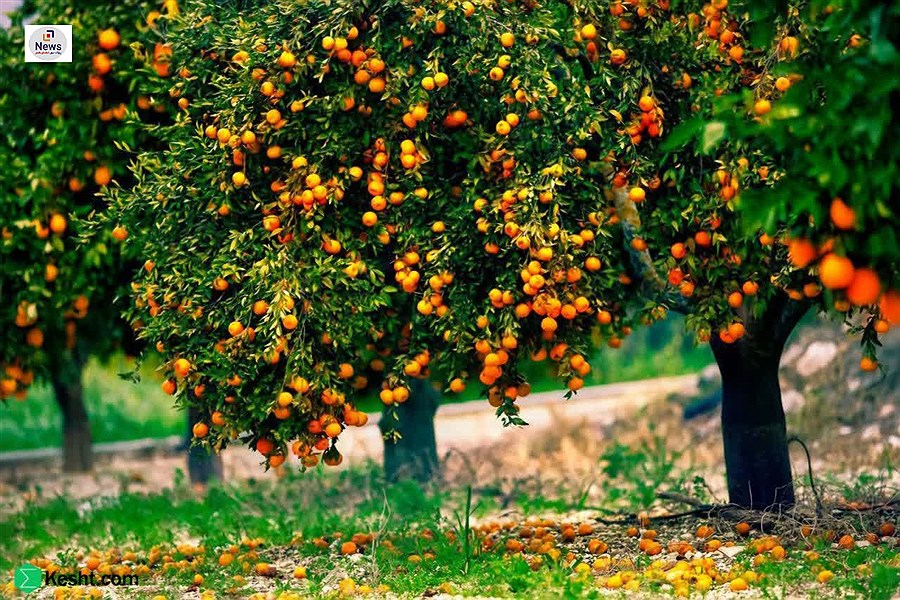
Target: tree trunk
67 385
203 465
753 428
757 460
414 455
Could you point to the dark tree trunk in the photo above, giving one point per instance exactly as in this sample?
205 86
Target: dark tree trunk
414 455
66 373
757 460
203 465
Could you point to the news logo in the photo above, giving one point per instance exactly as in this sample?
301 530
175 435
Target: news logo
48 43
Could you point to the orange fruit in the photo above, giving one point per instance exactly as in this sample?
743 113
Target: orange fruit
889 307
835 271
169 386
507 40
200 430
865 287
842 216
58 224
637 194
703 238
868 364
119 233
289 322
801 252
762 106
264 446
181 367
108 39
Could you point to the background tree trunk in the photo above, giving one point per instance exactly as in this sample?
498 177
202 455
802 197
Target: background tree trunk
66 379
757 460
203 466
414 455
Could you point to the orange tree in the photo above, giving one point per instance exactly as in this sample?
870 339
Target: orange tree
388 192
59 126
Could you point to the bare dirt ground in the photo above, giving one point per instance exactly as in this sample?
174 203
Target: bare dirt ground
461 430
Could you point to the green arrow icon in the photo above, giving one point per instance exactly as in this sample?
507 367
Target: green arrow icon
28 578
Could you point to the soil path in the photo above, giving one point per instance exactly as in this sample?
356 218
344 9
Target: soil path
151 465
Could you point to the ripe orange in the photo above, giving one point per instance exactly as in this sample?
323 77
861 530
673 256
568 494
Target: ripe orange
108 39
889 307
735 299
762 106
102 63
265 446
235 328
703 239
507 40
58 224
801 252
835 271
842 216
589 31
181 367
200 430
637 194
865 287
782 84
868 364
169 387
289 322
678 251
750 288
119 233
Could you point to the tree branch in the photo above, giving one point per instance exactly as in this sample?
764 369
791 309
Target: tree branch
640 264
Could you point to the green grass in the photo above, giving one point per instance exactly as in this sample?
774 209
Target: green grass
120 410
302 519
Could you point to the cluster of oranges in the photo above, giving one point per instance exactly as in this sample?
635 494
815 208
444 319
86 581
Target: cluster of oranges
341 168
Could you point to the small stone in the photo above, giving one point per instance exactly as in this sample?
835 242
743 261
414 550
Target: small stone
871 432
792 400
731 551
818 355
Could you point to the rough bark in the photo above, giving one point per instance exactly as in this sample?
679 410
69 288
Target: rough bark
66 379
757 460
414 454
